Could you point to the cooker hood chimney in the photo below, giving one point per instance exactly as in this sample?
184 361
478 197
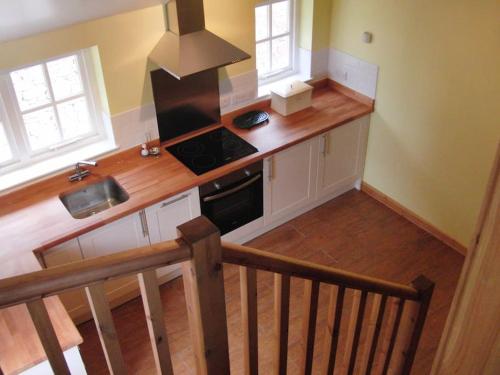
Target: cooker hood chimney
187 47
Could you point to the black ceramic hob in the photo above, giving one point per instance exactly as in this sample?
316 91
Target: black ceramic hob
211 150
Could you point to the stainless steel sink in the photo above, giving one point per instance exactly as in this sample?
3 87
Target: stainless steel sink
94 198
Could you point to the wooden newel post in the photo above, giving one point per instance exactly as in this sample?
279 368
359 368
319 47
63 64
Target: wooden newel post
205 298
425 288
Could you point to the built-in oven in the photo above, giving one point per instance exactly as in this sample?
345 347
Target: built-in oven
234 199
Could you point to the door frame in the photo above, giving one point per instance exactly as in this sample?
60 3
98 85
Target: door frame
470 342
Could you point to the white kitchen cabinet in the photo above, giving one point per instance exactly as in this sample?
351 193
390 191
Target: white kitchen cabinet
75 301
341 158
124 234
291 177
163 219
296 180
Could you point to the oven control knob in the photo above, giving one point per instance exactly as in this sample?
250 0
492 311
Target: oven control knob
247 172
217 185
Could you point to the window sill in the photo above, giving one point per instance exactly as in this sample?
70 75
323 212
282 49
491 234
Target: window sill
265 89
53 165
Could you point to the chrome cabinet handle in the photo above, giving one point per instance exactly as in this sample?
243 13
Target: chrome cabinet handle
144 223
233 190
323 147
270 171
165 204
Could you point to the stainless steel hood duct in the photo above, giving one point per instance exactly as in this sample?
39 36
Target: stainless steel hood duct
187 47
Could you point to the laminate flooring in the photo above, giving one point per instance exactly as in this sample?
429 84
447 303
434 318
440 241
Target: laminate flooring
353 232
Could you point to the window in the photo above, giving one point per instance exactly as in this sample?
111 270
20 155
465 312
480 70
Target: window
274 24
5 151
47 109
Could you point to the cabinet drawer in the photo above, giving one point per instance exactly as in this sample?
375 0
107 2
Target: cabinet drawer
163 219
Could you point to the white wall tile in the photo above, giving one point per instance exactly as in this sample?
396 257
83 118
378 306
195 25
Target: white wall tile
304 60
130 128
352 72
238 91
319 63
313 64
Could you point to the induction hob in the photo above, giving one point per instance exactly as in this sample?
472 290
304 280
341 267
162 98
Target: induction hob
211 150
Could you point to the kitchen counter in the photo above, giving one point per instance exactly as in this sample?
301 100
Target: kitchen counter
34 219
20 348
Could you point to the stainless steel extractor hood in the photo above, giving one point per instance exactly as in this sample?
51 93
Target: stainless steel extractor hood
187 47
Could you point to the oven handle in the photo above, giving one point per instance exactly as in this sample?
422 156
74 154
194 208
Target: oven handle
233 190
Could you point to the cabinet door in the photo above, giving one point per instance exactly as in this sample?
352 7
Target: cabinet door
124 234
74 301
163 219
291 178
342 155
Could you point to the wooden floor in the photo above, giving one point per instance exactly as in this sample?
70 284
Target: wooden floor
352 232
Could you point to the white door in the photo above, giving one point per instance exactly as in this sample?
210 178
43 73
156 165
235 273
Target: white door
342 155
124 234
291 175
163 219
74 301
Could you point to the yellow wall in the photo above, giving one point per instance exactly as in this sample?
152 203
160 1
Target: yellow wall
124 42
437 121
321 24
305 9
235 22
314 24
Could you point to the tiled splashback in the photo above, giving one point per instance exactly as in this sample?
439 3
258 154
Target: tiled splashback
238 91
352 72
319 63
130 127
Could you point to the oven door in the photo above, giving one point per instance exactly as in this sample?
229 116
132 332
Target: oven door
235 205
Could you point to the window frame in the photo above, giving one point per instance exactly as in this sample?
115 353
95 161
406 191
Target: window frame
16 132
276 75
8 134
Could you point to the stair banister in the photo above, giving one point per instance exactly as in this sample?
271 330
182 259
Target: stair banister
391 324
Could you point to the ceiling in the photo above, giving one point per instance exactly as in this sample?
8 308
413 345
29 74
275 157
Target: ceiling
20 18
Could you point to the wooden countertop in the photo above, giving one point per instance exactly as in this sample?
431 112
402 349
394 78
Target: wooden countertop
20 348
33 218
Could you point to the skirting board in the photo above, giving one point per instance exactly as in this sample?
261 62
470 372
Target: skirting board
412 217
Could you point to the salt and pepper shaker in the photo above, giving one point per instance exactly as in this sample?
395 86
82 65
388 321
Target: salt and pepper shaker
149 151
144 150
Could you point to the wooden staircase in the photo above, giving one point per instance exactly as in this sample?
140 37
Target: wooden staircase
391 327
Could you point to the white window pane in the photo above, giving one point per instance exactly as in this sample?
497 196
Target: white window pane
65 77
280 53
5 151
281 17
74 117
30 87
262 56
261 22
41 127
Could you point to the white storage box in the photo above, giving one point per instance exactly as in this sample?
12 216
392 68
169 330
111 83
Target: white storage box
291 97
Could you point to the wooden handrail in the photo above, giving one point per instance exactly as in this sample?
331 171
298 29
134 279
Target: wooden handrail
264 260
54 280
202 254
